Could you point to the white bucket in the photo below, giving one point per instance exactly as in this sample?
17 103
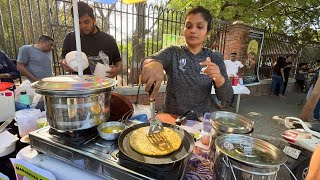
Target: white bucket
7 107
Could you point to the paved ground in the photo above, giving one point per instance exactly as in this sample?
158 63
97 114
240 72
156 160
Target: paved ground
268 113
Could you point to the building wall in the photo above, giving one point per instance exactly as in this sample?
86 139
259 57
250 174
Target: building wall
236 37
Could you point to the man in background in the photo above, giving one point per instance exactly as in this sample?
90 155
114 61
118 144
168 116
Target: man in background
35 60
233 66
286 71
93 40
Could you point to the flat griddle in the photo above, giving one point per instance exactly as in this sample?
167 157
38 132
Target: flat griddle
184 150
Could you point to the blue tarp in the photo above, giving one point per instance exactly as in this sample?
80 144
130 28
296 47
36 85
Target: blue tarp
105 1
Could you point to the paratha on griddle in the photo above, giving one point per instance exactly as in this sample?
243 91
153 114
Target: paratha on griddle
158 144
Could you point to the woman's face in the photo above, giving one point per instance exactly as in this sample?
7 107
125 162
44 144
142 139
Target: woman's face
195 29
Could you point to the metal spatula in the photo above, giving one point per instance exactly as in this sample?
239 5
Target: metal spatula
155 125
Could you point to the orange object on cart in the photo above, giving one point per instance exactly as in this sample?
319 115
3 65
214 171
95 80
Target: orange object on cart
5 85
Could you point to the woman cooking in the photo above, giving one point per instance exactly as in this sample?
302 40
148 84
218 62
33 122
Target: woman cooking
191 69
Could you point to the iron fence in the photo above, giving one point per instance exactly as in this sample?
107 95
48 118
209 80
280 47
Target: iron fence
138 29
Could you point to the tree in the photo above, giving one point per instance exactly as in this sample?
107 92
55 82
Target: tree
293 17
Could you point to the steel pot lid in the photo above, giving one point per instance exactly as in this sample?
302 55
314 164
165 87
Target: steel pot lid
73 85
227 122
249 150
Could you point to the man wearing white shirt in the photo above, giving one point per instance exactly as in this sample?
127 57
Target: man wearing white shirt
233 66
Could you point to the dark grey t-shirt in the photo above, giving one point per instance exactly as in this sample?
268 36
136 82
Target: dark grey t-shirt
38 63
187 89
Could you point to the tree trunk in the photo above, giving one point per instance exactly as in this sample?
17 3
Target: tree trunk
138 44
308 108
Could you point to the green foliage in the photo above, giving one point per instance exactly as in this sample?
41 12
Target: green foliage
293 17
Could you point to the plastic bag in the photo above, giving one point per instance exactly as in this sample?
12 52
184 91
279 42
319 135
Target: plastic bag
27 120
34 97
102 58
24 86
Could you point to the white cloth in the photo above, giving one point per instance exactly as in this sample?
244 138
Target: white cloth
236 90
232 67
61 170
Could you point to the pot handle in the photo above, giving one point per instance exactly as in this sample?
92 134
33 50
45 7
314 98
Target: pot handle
294 177
226 161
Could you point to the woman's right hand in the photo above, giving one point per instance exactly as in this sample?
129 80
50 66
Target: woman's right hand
152 74
65 66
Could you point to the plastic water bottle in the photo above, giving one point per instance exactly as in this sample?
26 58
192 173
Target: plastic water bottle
206 135
24 98
235 81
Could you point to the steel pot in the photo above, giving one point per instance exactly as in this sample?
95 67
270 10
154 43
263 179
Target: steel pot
75 103
244 157
230 123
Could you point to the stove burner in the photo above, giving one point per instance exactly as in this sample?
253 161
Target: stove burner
88 151
163 171
77 137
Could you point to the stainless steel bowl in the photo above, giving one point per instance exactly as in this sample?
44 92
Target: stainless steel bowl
110 136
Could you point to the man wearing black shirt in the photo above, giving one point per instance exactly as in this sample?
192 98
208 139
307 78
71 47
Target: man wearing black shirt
286 71
278 76
93 40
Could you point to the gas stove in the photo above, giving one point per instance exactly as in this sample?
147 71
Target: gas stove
89 152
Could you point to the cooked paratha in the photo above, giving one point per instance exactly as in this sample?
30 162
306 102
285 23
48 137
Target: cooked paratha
158 144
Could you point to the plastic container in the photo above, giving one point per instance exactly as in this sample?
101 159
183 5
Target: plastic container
24 98
7 107
42 122
27 120
206 135
241 81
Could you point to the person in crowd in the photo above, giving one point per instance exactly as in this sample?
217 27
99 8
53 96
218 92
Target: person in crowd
233 66
93 40
278 76
302 76
191 70
35 60
316 111
286 71
8 70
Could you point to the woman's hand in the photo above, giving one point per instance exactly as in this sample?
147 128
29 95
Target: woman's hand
213 71
152 73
